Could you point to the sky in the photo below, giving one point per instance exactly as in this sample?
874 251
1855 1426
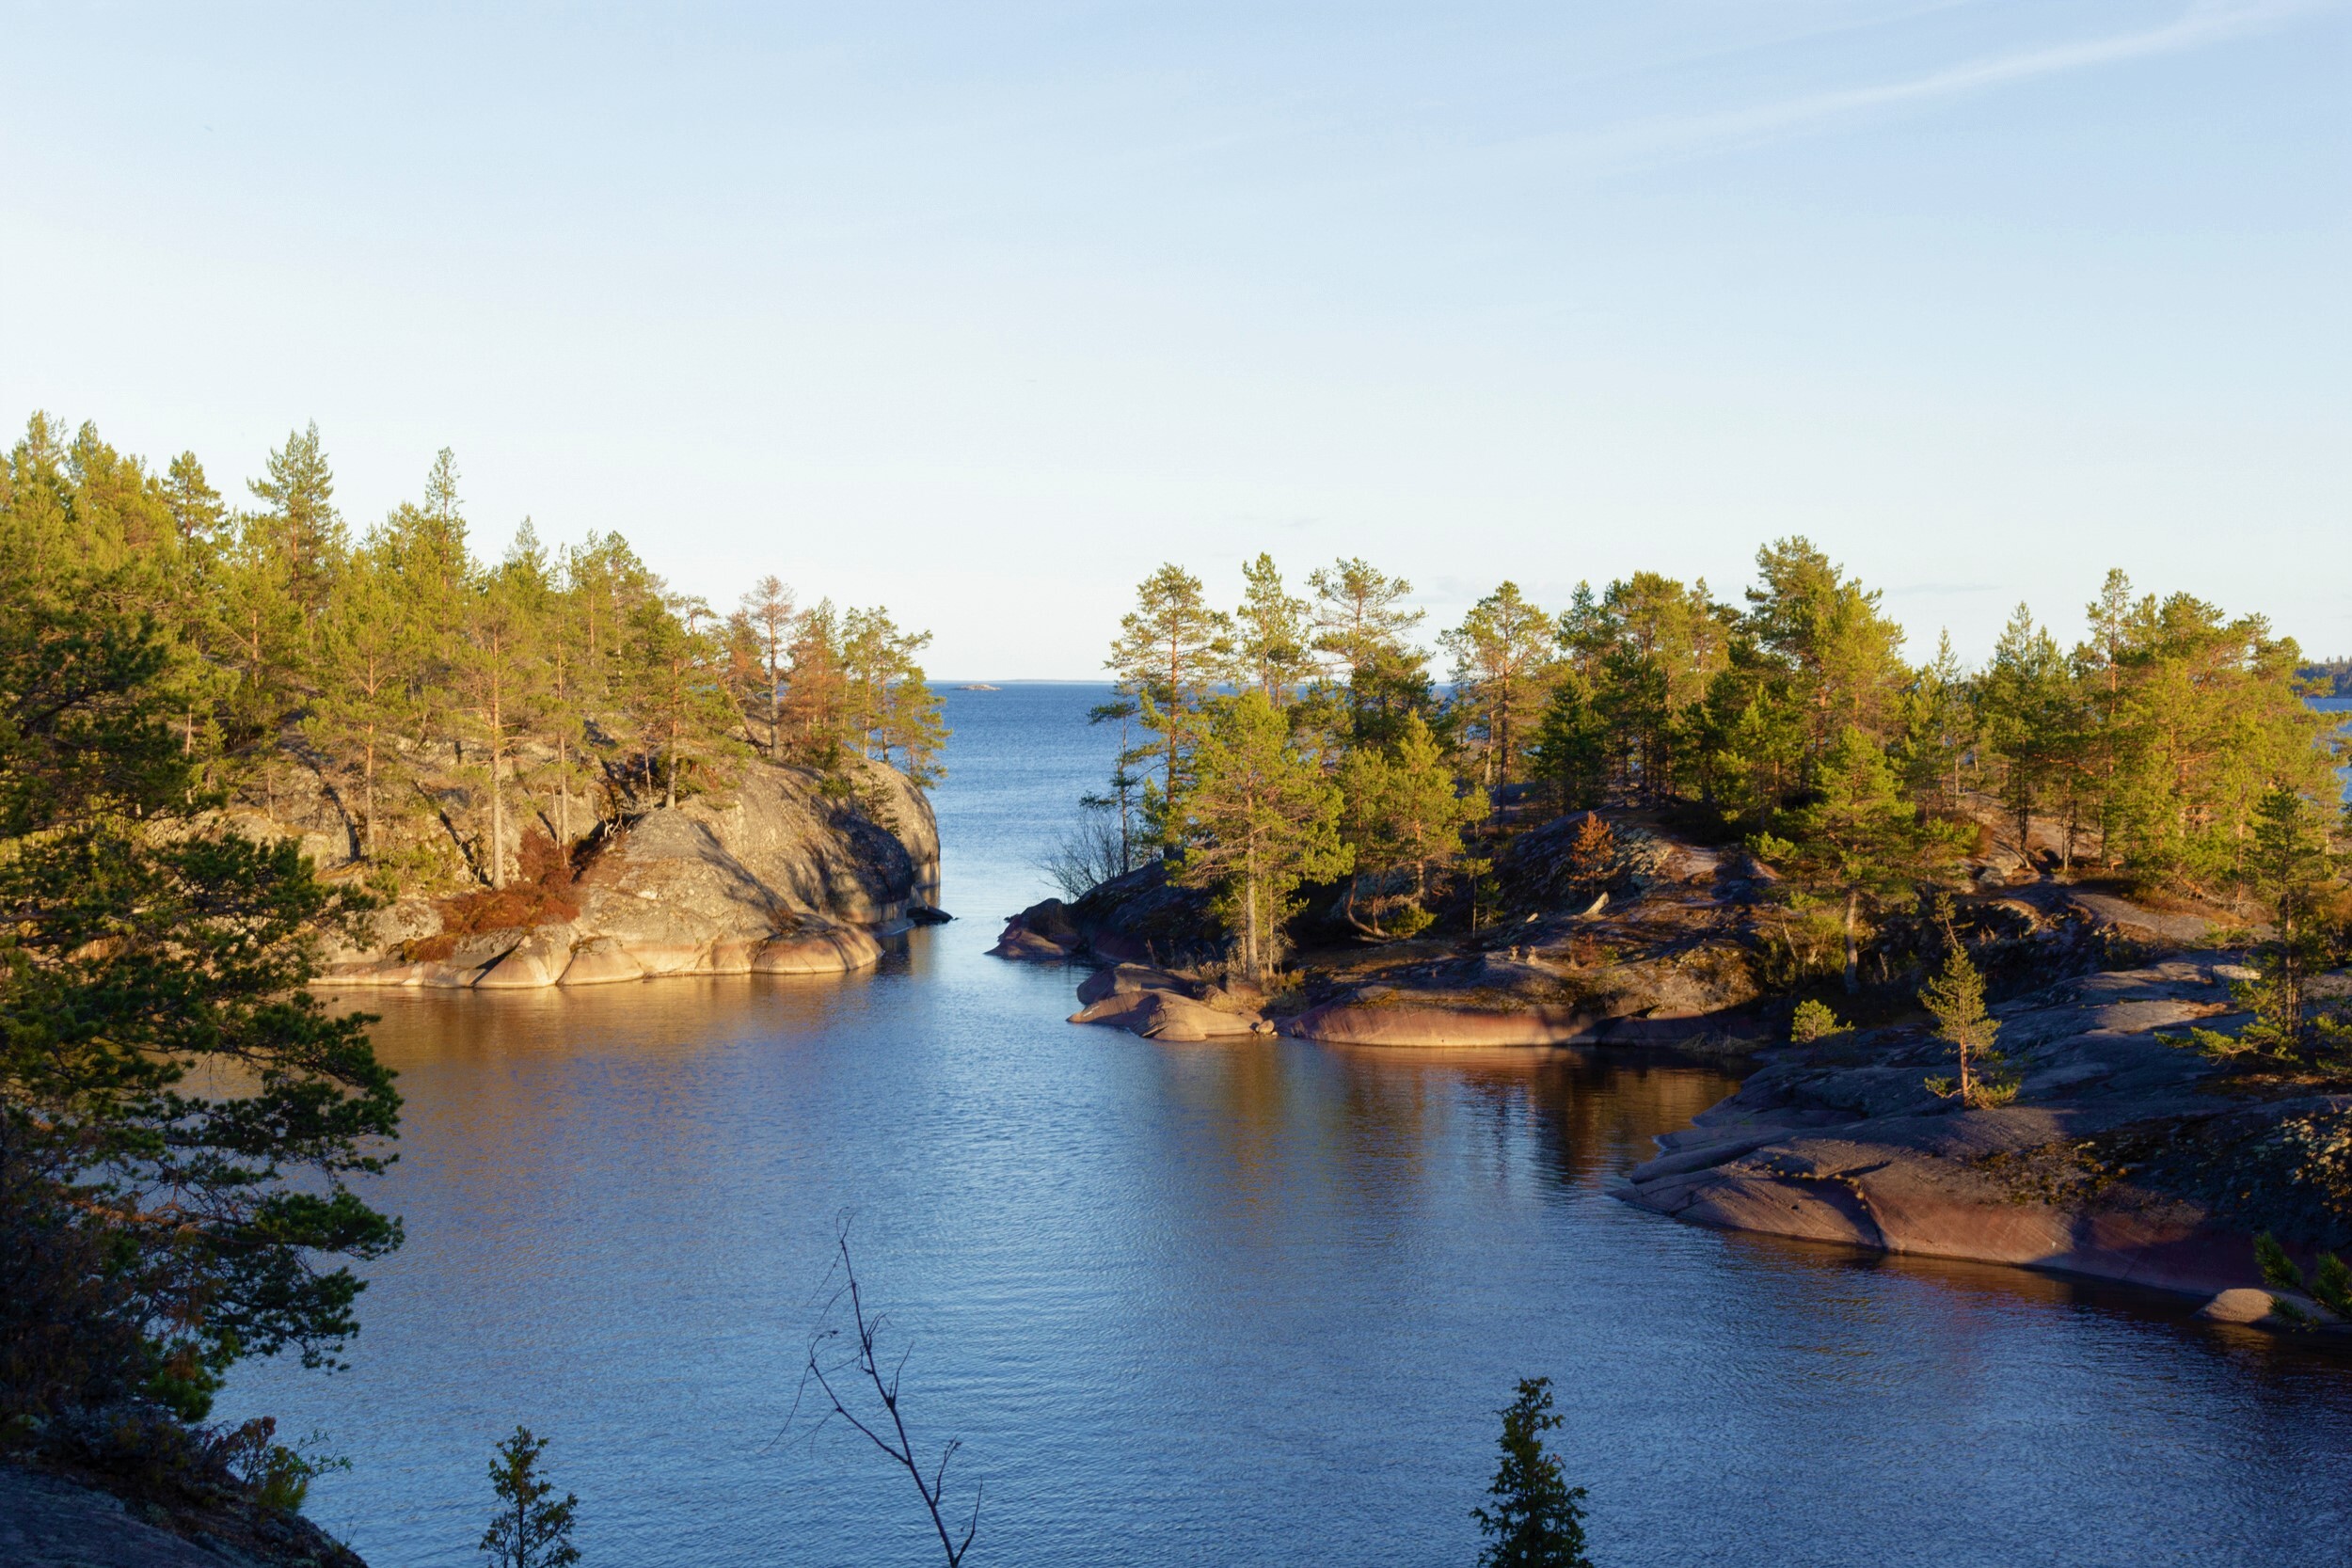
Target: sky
983 310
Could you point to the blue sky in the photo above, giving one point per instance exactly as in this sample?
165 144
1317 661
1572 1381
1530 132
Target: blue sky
983 310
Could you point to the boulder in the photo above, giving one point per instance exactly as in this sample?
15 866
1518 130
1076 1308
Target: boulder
1127 980
2240 1304
1164 1015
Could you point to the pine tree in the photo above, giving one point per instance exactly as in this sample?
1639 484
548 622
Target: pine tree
532 1529
1271 635
1258 819
1569 752
1125 781
1537 1520
499 669
1503 654
370 666
304 532
2296 872
1842 656
769 611
1364 632
1400 811
1955 997
2025 707
154 1231
1167 657
1939 728
1860 840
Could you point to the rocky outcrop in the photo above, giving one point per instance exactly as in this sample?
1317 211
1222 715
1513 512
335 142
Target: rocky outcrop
2122 1158
775 876
1159 1005
1140 918
48 1521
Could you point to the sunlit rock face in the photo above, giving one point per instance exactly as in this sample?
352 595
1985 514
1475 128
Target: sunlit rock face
775 875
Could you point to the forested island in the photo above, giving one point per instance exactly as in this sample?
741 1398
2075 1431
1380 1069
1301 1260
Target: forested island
2049 951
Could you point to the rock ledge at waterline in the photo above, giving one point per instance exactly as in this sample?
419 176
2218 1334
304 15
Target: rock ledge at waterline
766 877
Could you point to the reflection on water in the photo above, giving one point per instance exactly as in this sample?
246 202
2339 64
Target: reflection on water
1229 1303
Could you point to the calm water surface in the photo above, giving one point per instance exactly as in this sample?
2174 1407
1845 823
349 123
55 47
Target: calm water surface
1207 1305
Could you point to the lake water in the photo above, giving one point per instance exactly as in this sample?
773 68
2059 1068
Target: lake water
1206 1305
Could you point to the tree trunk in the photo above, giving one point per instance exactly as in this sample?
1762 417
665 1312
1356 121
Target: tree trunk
1853 944
1249 896
497 822
368 792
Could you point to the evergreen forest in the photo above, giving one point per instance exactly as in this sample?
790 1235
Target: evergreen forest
438 710
1313 737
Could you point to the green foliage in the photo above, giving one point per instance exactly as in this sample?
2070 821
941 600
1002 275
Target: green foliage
1167 658
1502 669
2292 868
1537 1520
1400 812
542 681
1859 839
531 1528
155 1234
2329 1284
1569 752
1813 1020
1374 675
1955 997
1256 820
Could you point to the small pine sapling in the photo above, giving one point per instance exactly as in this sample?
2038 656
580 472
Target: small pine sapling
1956 997
1538 1519
1813 1020
530 1529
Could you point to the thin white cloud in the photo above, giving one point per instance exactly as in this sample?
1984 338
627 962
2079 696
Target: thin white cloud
2204 23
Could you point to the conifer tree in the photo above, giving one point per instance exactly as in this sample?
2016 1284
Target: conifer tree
1860 841
1842 656
1167 657
499 669
371 666
1125 781
1257 819
153 1229
1271 635
532 1527
1364 631
1939 728
1400 811
1502 672
1569 750
1955 997
770 611
300 525
1537 1520
2025 701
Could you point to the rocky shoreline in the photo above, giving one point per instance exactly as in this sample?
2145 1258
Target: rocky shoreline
2123 1157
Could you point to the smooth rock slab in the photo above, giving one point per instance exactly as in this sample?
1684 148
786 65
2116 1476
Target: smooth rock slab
601 960
829 952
